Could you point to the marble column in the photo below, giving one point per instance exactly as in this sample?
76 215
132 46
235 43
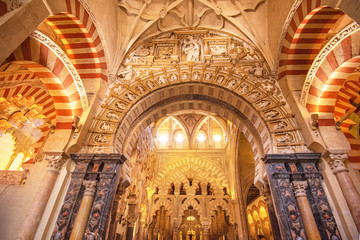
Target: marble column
347 186
176 226
307 216
33 217
82 216
265 191
206 227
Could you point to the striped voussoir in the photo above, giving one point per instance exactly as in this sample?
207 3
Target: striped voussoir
60 97
306 33
80 47
329 96
77 9
349 90
33 50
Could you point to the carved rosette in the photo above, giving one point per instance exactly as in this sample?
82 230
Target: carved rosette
337 162
55 161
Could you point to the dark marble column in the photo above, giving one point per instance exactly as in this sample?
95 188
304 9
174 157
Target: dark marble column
105 169
288 214
282 171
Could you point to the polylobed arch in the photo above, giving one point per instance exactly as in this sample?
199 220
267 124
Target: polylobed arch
190 203
57 101
205 171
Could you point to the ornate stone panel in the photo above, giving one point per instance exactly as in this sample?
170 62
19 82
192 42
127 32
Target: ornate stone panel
106 168
282 171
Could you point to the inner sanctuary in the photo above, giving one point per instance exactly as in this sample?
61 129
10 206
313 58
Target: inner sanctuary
179 119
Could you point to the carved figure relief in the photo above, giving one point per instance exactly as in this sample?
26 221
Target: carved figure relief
280 126
196 76
173 77
121 106
264 104
113 116
191 48
130 96
285 139
271 114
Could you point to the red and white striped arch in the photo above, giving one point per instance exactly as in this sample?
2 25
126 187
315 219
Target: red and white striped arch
330 77
327 95
79 45
77 9
33 50
349 90
61 98
304 38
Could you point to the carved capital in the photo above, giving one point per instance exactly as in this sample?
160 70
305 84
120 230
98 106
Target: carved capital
300 188
55 161
90 187
337 162
265 190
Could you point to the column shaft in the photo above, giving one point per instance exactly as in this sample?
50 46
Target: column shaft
351 195
37 207
307 216
82 216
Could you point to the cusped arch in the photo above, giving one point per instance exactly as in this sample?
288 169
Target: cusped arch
224 206
161 202
193 203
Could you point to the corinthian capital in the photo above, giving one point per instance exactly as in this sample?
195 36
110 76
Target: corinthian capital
90 187
300 188
337 162
55 161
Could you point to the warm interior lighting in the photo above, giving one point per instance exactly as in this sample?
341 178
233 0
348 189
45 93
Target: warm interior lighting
179 138
164 138
217 138
190 218
201 137
7 146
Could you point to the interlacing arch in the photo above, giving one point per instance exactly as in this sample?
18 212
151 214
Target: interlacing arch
213 206
161 202
193 203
